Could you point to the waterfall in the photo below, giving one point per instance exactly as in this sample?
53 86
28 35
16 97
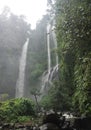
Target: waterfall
48 48
46 74
52 72
44 81
55 42
20 80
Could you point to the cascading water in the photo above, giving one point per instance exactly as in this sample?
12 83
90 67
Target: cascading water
55 68
52 72
55 42
46 74
48 48
20 80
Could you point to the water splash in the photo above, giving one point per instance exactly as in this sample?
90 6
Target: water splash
20 80
54 73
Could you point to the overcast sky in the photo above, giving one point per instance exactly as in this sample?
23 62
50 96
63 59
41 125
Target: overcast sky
32 9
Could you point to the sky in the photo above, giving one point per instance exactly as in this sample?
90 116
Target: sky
32 9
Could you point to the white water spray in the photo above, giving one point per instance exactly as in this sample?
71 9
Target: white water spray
20 80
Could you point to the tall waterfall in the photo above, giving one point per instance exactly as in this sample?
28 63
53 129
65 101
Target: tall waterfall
48 48
46 74
20 80
52 72
55 42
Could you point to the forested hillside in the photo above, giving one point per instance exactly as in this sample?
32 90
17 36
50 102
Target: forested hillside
71 90
73 32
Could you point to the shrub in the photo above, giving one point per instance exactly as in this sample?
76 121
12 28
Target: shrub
11 110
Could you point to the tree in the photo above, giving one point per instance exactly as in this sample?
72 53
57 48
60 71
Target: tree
35 92
73 31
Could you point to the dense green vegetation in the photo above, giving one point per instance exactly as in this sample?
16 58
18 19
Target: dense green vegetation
72 91
73 31
17 110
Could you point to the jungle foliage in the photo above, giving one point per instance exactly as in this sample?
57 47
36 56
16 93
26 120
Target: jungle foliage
72 91
16 110
73 32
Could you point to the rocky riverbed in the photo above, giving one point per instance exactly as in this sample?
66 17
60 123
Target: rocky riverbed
52 122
